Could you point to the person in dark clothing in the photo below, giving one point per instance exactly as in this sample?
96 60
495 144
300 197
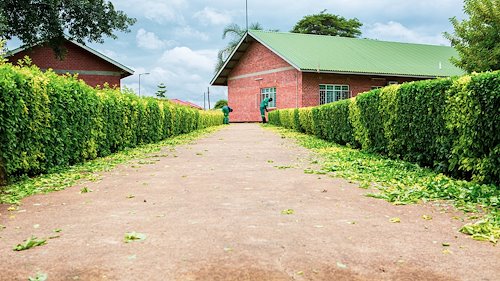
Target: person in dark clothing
226 110
263 108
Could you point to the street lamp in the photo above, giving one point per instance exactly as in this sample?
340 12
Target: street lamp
145 73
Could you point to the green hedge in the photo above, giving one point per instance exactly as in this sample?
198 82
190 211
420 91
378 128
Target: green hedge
451 125
50 120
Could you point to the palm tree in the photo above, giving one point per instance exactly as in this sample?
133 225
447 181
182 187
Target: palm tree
235 33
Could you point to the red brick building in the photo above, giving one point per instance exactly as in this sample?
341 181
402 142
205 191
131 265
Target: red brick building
92 67
300 70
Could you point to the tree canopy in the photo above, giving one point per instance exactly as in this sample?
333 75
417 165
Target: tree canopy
220 103
51 21
477 39
162 90
328 24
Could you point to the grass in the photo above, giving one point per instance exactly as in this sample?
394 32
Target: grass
61 178
401 183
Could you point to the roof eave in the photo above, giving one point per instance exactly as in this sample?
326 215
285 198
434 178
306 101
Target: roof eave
374 73
126 71
229 59
104 57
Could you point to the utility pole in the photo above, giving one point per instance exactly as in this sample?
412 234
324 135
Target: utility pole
208 95
204 103
246 13
145 73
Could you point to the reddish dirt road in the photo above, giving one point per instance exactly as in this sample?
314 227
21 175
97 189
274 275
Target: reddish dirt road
212 210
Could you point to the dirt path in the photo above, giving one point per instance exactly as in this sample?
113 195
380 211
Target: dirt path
213 211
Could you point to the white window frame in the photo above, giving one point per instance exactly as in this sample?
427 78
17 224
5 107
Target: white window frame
333 92
269 93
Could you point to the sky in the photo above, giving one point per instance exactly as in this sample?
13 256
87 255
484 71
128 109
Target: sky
177 41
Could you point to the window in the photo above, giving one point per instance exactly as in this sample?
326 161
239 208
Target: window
392 83
376 87
269 93
331 93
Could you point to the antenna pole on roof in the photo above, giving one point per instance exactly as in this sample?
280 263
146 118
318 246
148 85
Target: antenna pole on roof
208 97
246 13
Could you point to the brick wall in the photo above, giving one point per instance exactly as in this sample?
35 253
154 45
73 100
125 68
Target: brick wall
244 92
357 84
76 59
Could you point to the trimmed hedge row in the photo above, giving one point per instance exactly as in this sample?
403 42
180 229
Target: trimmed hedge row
451 125
48 120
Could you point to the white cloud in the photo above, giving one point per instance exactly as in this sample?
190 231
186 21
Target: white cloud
149 40
189 32
395 31
165 11
184 57
211 16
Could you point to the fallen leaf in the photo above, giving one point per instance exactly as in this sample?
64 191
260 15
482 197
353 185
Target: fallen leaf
426 217
85 190
288 212
134 236
395 220
30 243
341 265
39 277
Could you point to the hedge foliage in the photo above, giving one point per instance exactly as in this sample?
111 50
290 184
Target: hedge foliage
451 125
49 120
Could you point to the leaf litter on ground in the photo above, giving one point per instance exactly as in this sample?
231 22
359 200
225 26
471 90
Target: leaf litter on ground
402 183
62 177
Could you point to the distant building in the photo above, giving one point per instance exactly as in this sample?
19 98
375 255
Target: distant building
186 103
92 67
300 70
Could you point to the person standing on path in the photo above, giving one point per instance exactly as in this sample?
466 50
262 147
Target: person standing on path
226 110
263 108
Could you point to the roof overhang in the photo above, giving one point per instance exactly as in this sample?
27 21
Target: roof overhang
372 74
221 77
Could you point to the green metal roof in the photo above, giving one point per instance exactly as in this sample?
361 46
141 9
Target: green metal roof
353 55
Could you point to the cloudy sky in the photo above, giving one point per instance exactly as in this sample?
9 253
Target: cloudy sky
177 41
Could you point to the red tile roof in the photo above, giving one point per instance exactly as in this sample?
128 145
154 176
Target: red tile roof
186 103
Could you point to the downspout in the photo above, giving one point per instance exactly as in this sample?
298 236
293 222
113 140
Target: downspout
297 89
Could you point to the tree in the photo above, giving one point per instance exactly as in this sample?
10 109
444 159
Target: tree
235 32
477 39
162 89
328 24
51 21
220 103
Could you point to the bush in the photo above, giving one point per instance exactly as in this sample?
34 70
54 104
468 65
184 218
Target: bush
414 125
333 120
366 120
473 115
50 120
451 125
